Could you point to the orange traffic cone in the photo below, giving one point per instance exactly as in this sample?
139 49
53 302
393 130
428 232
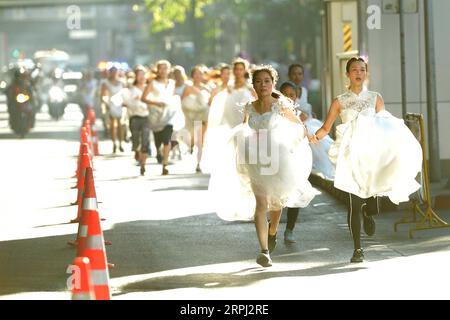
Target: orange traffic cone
95 141
95 251
89 204
83 288
83 139
84 135
84 148
87 125
85 163
91 117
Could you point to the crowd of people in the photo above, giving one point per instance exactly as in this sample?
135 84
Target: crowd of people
260 142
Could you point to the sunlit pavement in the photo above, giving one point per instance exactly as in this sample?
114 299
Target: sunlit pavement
168 243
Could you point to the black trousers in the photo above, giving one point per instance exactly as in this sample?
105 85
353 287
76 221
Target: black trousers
163 137
140 133
355 208
292 215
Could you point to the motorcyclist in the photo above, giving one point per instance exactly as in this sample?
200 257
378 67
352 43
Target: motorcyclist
21 83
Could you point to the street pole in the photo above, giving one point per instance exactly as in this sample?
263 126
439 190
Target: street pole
362 28
402 58
194 32
433 128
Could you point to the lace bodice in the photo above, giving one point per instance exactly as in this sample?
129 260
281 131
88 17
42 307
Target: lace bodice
352 104
258 121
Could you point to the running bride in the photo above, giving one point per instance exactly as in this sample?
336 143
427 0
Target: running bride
265 165
374 152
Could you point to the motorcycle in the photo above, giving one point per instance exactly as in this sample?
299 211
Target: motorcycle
20 109
57 102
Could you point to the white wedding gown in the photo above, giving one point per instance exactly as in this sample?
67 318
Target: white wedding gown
226 112
322 165
375 153
195 108
226 107
268 156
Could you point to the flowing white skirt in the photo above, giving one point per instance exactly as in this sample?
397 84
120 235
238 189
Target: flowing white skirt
243 167
376 155
322 165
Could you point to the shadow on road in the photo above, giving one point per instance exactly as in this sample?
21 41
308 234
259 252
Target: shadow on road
35 264
228 280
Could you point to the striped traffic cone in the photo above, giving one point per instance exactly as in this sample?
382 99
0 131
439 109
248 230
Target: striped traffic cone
95 251
91 117
85 163
83 288
89 204
83 139
87 125
84 148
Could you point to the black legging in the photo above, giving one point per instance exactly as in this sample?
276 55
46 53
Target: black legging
354 215
140 133
292 215
163 137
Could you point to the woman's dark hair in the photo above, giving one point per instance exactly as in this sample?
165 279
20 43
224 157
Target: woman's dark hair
289 84
272 73
295 65
354 59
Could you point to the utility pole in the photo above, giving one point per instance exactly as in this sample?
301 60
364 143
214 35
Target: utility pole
195 35
433 128
402 58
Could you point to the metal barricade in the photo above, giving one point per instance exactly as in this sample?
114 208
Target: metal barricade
421 212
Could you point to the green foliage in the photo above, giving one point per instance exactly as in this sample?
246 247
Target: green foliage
276 29
167 13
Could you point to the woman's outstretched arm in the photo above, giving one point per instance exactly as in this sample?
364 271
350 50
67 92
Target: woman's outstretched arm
333 113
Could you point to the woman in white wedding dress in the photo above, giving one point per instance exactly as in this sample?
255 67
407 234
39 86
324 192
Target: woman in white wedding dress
265 165
226 107
374 152
165 113
322 165
226 112
195 107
